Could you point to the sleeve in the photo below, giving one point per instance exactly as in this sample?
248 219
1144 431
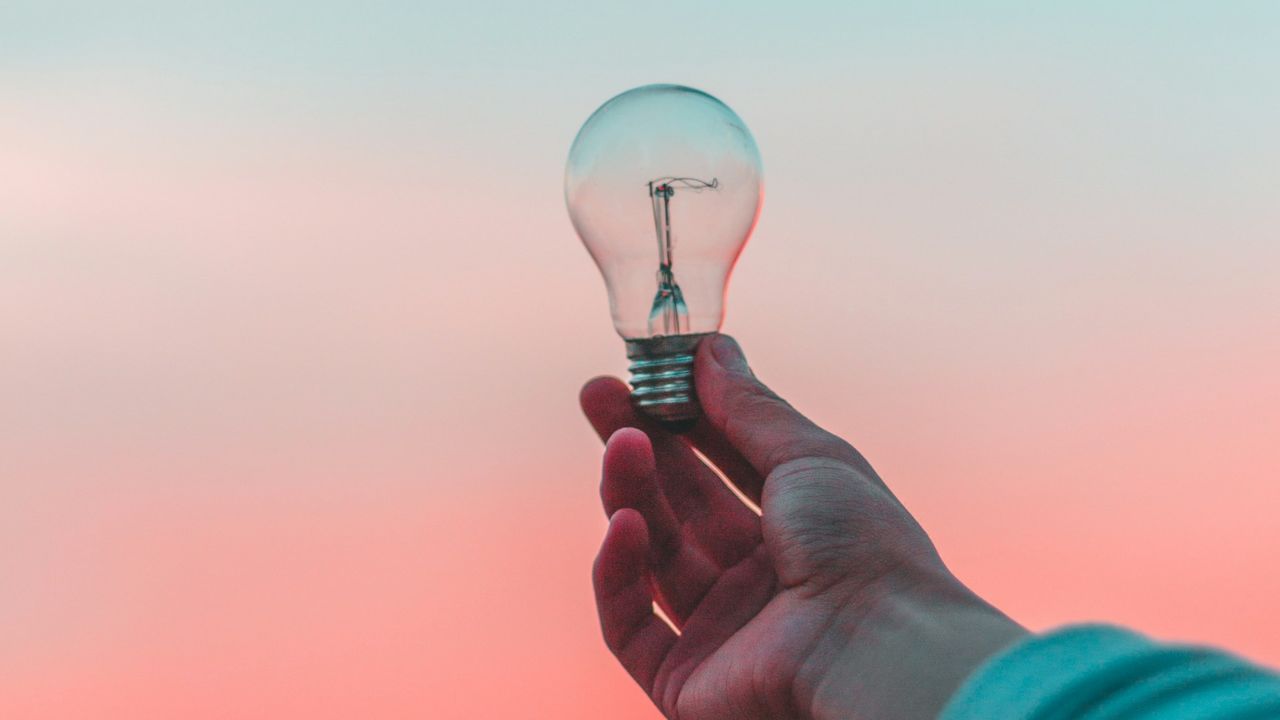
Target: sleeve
1098 672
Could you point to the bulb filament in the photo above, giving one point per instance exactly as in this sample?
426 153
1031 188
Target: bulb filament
669 315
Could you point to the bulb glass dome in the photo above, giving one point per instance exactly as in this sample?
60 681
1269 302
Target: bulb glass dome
663 185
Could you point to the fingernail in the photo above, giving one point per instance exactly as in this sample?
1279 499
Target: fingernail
728 354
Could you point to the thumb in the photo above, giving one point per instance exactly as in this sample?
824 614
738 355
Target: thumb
764 428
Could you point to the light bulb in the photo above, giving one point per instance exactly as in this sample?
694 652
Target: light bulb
663 185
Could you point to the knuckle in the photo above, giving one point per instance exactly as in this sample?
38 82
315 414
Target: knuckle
812 469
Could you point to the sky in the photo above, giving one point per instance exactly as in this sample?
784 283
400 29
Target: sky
292 324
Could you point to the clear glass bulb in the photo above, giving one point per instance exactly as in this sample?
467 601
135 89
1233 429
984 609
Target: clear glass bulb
664 187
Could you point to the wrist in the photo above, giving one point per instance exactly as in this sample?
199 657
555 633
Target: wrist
905 653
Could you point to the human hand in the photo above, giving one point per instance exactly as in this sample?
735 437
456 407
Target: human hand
832 603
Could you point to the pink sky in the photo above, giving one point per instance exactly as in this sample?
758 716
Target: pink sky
289 372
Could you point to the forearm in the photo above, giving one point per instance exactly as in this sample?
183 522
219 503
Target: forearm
905 656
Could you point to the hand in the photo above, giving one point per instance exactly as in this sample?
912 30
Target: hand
832 603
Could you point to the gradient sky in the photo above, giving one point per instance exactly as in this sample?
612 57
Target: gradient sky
292 322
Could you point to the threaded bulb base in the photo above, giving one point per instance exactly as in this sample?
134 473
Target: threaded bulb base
662 379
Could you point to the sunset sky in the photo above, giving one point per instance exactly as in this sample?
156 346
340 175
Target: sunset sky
293 320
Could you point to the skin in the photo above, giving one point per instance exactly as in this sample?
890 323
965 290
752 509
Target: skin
830 603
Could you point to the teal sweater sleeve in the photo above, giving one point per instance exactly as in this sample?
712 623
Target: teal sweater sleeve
1098 672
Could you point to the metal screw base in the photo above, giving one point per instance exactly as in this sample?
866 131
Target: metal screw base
662 379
